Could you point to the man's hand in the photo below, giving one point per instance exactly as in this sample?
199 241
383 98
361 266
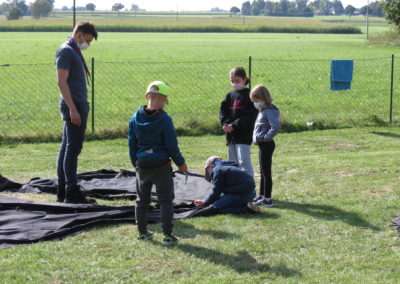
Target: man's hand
75 117
183 168
198 203
228 128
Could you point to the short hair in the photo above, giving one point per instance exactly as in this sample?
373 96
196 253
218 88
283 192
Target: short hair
241 73
260 92
86 28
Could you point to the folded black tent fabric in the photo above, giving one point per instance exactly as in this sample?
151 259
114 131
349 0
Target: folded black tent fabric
110 184
23 221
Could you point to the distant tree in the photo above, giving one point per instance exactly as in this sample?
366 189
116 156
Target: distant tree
284 6
134 7
90 7
307 12
257 7
349 10
246 8
234 10
338 7
374 9
392 11
268 8
216 10
41 8
64 8
14 13
301 5
117 6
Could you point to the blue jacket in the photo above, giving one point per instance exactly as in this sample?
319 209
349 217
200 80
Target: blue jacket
153 137
228 178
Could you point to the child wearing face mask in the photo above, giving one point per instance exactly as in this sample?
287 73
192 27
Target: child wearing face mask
237 116
266 127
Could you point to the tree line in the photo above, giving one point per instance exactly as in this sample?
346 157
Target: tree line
306 8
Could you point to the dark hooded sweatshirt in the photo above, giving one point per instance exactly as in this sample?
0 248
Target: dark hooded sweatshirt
152 137
238 110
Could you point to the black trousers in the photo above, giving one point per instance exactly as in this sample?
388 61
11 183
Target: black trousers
162 178
266 149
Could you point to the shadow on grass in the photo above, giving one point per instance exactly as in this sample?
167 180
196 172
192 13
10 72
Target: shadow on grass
327 212
386 134
187 230
242 262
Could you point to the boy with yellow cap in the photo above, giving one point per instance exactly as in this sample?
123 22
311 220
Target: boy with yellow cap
152 145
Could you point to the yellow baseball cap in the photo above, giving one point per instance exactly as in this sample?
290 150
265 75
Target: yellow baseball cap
158 87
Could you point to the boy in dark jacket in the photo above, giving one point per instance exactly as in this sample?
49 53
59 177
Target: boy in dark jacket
152 142
232 192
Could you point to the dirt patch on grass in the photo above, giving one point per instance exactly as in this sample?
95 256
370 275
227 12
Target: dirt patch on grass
376 192
292 171
344 174
343 145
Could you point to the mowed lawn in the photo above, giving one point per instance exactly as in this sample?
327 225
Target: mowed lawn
294 66
336 193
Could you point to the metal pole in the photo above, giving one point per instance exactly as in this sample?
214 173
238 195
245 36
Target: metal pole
92 94
391 90
367 16
250 72
177 17
74 16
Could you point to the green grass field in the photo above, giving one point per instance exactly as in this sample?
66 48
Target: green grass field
294 66
336 193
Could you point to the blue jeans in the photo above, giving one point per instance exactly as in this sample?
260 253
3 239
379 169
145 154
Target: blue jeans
71 145
234 203
241 154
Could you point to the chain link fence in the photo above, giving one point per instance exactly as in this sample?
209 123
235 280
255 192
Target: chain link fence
300 88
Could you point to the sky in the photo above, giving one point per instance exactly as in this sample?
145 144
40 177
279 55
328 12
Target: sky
182 5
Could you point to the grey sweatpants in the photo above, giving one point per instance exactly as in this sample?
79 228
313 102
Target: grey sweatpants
161 177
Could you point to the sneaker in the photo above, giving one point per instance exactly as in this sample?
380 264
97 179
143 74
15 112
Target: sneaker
259 200
145 237
267 202
253 207
170 240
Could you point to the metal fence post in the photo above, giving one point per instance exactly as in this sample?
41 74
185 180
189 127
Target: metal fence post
92 94
250 72
391 90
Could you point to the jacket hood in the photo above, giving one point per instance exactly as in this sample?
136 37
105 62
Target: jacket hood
146 122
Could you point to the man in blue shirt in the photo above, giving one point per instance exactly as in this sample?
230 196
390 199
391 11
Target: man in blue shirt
72 75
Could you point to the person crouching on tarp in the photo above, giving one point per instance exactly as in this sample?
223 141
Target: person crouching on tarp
232 191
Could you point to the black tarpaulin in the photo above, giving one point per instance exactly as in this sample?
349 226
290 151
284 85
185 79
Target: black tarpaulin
396 224
23 221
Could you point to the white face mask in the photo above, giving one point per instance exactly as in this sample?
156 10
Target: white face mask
84 45
259 105
238 86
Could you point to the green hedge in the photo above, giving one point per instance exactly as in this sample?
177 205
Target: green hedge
187 28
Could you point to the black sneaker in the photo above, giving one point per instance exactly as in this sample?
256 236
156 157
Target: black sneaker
267 202
76 196
145 237
170 240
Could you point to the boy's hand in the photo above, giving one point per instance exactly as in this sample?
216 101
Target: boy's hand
183 168
198 203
